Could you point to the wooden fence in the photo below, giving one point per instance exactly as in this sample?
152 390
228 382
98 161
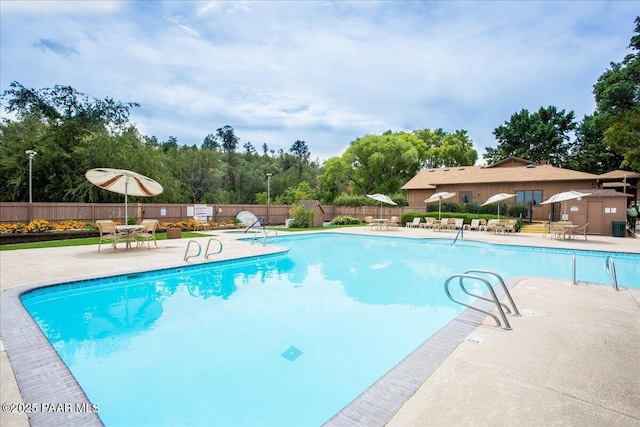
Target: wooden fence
21 212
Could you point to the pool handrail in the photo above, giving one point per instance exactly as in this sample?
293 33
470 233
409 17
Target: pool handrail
265 236
502 284
186 252
461 277
206 252
610 266
260 220
459 233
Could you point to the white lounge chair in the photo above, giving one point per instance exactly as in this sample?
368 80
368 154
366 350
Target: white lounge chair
413 224
475 225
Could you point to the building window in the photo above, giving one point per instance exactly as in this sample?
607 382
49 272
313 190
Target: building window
524 197
465 197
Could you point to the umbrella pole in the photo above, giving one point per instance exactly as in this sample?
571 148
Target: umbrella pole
439 210
126 209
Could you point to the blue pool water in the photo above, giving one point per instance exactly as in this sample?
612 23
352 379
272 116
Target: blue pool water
276 340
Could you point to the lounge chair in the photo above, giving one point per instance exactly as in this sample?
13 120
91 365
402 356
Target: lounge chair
429 222
199 225
148 233
413 224
580 231
109 233
458 223
475 225
442 224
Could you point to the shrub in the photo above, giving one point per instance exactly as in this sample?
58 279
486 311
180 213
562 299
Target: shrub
345 220
300 217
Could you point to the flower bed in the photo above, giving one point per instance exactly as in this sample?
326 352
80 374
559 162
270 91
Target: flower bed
40 230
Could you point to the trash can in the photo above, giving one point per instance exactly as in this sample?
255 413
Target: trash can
619 228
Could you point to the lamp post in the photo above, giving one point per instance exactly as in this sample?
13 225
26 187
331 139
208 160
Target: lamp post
30 153
268 195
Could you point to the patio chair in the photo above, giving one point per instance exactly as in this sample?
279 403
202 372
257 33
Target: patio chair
475 225
109 233
580 231
148 233
509 226
413 224
442 224
492 226
458 223
483 225
199 225
429 222
394 222
557 230
370 223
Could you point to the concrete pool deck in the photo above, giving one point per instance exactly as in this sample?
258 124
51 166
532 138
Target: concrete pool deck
572 358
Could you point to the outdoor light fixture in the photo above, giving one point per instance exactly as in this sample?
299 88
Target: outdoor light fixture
30 153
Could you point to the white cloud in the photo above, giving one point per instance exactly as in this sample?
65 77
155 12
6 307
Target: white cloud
323 72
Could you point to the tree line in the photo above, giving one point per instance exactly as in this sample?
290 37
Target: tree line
73 133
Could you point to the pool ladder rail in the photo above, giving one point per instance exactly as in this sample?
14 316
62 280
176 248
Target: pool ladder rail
610 266
207 254
494 298
266 235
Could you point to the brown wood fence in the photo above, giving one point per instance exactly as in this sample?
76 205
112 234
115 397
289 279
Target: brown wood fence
21 212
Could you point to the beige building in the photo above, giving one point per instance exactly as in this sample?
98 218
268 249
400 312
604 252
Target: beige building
533 183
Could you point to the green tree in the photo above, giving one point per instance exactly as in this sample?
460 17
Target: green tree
541 136
589 153
68 119
617 94
381 163
444 149
300 150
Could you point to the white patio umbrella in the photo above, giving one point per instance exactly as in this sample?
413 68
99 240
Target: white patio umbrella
382 198
439 197
563 197
125 182
498 198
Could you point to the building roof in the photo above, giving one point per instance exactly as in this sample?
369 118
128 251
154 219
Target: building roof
599 192
310 204
619 174
511 169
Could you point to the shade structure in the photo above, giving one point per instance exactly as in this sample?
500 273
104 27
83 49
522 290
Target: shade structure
439 197
498 198
563 197
382 198
125 182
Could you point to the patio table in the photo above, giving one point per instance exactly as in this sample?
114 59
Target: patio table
129 229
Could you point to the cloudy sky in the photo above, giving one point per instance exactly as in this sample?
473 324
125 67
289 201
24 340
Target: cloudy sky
325 72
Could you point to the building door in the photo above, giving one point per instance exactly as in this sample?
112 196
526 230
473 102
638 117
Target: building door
595 216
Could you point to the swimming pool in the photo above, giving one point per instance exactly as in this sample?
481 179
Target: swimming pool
278 340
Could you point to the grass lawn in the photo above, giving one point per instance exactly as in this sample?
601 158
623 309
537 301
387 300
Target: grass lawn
84 241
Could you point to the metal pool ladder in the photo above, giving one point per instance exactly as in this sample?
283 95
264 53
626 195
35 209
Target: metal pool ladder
266 236
207 254
610 266
494 298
